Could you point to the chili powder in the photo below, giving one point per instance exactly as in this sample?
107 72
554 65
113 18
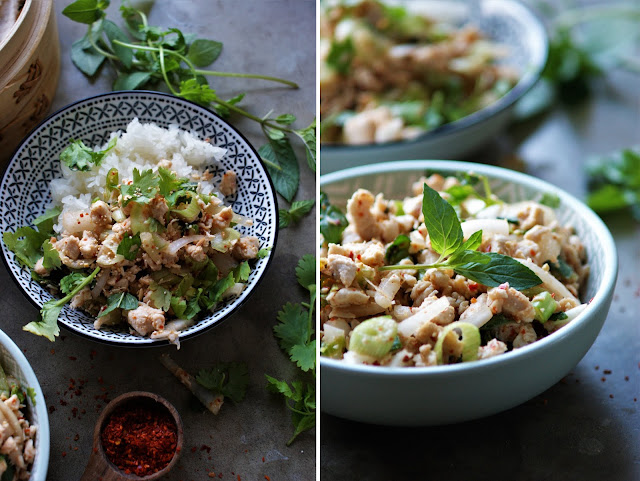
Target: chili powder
140 439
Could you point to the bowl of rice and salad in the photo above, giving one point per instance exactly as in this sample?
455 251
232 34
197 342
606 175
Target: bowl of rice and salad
136 218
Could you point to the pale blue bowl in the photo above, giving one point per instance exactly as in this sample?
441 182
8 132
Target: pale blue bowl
447 394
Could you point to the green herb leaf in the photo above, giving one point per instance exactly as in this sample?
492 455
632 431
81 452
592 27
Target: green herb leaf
45 222
550 200
304 355
398 249
282 166
51 258
332 221
308 136
128 247
31 392
47 324
442 223
473 242
223 110
203 52
113 32
264 252
85 11
227 378
340 55
614 182
306 271
85 57
293 328
300 399
242 271
196 92
285 119
26 244
295 213
78 156
71 281
122 300
131 81
498 270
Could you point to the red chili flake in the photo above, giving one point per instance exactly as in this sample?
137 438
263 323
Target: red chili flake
92 354
597 367
63 402
603 379
611 396
81 215
267 477
140 439
626 378
64 453
607 371
239 478
100 380
53 351
76 437
263 459
74 412
206 448
194 449
72 358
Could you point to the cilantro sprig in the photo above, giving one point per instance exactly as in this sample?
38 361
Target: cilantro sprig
295 213
445 234
229 379
147 57
295 333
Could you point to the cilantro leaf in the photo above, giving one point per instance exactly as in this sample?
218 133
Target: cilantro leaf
122 300
142 189
242 271
264 252
227 378
45 222
51 258
77 156
306 271
304 355
340 55
332 221
71 281
442 223
47 323
300 399
293 328
25 243
298 209
31 392
199 93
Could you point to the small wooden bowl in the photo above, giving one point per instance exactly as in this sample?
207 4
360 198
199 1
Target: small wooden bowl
29 71
99 466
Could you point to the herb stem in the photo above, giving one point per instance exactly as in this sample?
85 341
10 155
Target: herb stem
399 267
270 164
164 71
78 288
98 49
214 73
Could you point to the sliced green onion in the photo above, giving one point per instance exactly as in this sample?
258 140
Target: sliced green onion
374 337
112 180
118 215
188 212
464 332
544 306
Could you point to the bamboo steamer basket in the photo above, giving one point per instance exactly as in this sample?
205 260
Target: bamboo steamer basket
29 71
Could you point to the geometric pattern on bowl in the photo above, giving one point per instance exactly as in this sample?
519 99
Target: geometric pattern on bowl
24 189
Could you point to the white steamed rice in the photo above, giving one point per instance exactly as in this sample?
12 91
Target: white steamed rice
141 147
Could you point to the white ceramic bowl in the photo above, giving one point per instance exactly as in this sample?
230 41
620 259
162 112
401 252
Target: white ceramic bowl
453 393
24 189
15 364
506 21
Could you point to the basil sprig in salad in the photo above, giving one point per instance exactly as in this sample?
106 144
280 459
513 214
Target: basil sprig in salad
404 289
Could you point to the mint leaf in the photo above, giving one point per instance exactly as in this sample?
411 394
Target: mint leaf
398 249
285 119
203 52
498 270
473 242
282 166
122 300
442 223
85 11
113 32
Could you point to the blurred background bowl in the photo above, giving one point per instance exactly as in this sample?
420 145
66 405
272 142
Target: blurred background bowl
15 364
24 188
29 71
453 393
506 22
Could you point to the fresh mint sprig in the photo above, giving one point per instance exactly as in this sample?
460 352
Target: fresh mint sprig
146 57
445 233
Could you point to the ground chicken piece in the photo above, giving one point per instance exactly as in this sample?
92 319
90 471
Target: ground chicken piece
428 333
80 298
525 336
387 290
68 247
196 252
89 245
548 243
427 357
246 248
122 227
511 303
530 216
363 220
174 232
40 269
29 451
228 185
159 208
342 269
354 312
493 348
145 319
222 219
422 290
347 296
100 214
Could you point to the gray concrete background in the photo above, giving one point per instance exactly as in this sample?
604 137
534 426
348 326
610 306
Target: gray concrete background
247 441
586 427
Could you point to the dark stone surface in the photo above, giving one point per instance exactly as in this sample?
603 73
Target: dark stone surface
248 440
581 429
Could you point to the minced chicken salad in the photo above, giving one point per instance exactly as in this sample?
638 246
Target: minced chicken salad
17 436
138 235
447 276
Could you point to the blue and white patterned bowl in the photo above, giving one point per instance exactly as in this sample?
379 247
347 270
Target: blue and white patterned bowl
420 396
15 364
24 190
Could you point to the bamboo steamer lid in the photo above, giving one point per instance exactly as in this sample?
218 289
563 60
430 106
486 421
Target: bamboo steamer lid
29 71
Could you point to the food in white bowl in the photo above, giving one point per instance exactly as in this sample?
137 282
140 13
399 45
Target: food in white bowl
392 72
24 424
467 64
441 394
449 274
137 234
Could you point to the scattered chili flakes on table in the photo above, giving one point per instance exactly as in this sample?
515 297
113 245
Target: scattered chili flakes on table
140 440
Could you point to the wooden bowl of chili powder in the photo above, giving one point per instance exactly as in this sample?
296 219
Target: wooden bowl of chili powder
139 435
